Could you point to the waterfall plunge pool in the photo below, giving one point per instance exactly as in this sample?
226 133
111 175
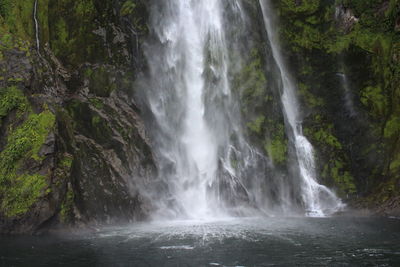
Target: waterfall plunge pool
337 241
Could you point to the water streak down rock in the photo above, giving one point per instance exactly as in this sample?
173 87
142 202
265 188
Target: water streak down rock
318 200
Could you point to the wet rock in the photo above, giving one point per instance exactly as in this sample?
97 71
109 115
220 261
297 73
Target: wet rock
345 18
96 159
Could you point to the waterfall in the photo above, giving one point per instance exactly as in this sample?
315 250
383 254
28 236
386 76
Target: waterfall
36 26
195 125
317 199
347 96
207 168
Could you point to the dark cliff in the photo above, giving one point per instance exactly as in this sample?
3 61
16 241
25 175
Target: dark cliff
73 146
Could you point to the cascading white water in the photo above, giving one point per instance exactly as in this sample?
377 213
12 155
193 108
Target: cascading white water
318 199
207 169
35 8
190 99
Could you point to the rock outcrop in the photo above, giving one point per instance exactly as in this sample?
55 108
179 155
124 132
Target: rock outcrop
73 147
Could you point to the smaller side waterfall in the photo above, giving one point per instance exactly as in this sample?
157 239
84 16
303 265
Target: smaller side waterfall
347 96
317 199
35 9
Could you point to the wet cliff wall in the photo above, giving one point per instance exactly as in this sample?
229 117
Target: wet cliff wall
73 148
344 56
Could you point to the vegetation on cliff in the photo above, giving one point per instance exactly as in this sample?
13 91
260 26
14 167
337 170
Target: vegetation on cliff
49 150
358 153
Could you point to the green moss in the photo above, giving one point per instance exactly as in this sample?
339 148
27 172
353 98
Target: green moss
21 190
368 47
374 99
25 141
128 8
84 8
43 19
342 178
303 7
310 99
252 82
97 103
67 206
96 120
277 146
6 41
61 37
17 17
12 98
277 150
22 193
392 128
324 136
66 162
306 36
5 8
88 72
256 126
395 164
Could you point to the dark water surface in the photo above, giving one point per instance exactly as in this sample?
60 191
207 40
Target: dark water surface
339 241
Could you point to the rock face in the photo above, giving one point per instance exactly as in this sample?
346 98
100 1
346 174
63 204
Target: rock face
345 60
344 57
345 18
73 146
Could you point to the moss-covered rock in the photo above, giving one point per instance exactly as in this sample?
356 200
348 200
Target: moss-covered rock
68 110
324 41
